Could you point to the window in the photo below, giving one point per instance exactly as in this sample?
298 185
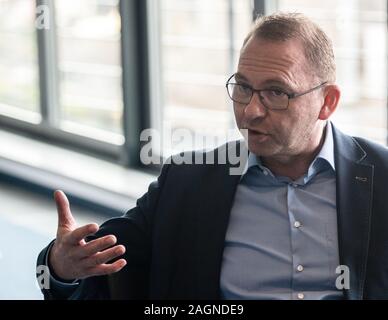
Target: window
105 70
200 43
359 33
89 63
19 89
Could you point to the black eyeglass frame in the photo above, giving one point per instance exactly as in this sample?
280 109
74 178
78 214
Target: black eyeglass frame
289 95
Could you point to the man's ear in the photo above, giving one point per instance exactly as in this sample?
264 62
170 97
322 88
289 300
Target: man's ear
332 96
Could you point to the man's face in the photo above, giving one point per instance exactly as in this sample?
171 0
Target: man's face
280 66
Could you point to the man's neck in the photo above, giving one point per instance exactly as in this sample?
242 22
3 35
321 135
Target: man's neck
296 166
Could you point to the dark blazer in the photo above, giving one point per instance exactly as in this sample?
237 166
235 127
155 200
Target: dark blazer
175 235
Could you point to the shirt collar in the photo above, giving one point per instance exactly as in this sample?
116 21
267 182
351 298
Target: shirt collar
326 152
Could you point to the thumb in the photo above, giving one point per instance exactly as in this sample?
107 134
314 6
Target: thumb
65 218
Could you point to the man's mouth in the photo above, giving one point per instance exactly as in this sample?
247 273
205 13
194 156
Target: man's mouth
257 132
258 135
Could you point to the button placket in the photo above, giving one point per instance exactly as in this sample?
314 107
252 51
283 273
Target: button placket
295 226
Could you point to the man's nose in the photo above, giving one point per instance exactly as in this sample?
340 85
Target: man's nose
255 108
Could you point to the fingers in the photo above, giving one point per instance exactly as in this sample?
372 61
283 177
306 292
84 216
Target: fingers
105 269
65 218
80 233
96 246
103 257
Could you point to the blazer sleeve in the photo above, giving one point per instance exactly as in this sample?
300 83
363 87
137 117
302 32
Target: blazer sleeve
134 231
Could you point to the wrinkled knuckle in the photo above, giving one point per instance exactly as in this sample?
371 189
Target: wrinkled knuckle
97 261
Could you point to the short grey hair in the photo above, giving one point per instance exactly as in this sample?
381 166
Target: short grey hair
286 26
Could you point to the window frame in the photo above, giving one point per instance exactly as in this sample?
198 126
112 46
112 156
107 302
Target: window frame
141 82
132 13
141 85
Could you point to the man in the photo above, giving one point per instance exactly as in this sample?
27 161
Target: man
307 219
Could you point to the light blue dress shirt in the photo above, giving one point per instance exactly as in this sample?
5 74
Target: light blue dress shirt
282 240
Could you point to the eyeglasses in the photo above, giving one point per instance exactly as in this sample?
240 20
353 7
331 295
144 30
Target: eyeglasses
273 99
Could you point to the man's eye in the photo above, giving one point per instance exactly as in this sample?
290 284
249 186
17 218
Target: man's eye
244 88
276 92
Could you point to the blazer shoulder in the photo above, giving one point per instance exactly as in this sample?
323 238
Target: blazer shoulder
198 165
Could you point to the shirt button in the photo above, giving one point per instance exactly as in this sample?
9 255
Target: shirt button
300 296
297 224
265 173
300 268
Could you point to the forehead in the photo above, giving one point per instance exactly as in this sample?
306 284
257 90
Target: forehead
262 60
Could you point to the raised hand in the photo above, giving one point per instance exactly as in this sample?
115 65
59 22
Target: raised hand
71 257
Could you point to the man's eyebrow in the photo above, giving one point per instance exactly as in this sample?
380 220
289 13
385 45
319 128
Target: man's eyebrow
276 82
239 76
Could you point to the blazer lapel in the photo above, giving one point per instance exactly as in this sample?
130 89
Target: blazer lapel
354 208
213 214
